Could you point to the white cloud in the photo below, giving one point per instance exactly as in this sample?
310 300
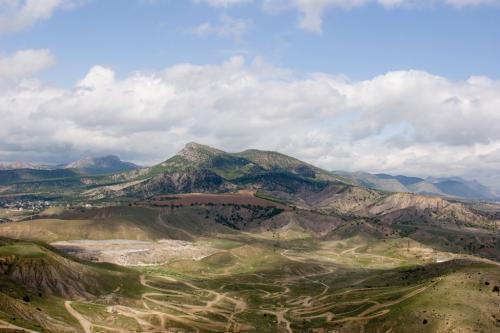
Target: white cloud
405 121
23 64
226 27
17 15
96 78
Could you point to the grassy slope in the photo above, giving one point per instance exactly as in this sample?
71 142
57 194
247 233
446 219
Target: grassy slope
253 266
461 301
408 290
117 223
30 175
360 268
36 302
138 223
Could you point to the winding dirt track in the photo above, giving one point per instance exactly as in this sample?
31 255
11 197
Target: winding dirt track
88 326
303 307
84 323
208 310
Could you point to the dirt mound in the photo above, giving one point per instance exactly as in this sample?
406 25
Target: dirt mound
222 259
57 276
306 221
40 270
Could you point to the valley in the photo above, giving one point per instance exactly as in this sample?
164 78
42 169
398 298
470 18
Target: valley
249 166
246 242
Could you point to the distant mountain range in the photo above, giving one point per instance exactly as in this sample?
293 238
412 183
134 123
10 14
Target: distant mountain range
25 165
100 165
88 166
452 187
200 168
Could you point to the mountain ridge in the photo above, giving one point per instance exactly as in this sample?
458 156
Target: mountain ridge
197 163
100 165
225 171
24 165
87 165
450 187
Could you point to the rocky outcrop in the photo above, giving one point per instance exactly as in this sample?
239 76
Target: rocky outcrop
200 180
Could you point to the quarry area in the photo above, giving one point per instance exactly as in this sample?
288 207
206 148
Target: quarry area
133 252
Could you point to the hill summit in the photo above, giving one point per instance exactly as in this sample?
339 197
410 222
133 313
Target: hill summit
198 153
201 168
239 164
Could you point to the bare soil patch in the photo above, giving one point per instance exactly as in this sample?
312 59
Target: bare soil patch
195 199
133 252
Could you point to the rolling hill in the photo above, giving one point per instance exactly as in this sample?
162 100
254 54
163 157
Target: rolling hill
258 269
8 177
451 187
267 243
67 179
38 283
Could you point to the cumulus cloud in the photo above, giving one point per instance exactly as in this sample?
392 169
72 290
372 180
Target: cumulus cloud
226 27
17 15
404 121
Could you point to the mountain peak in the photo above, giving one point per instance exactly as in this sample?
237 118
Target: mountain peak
198 146
195 145
196 152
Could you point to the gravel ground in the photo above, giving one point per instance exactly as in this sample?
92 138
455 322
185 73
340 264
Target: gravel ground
132 252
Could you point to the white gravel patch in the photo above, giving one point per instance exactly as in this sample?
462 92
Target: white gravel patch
133 252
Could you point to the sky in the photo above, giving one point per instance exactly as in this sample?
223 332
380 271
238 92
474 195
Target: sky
398 86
